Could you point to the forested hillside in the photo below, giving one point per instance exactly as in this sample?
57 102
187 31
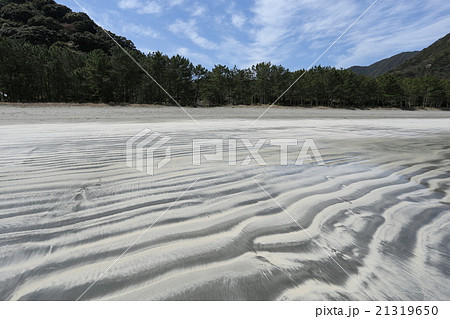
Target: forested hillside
383 66
50 54
48 23
431 61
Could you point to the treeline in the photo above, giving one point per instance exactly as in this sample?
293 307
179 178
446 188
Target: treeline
57 73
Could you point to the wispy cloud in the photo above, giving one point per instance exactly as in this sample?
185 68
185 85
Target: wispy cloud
140 30
293 33
189 30
238 20
282 30
141 7
149 6
390 29
173 3
195 57
196 10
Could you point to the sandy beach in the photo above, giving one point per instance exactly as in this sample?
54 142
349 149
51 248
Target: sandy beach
371 224
61 113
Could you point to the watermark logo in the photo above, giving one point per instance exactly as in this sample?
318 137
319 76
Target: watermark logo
253 151
145 151
141 149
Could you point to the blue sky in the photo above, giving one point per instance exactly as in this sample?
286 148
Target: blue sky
288 32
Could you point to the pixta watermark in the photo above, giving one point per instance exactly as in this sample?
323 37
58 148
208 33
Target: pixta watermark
149 151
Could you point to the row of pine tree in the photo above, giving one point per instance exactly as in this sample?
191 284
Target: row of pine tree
38 73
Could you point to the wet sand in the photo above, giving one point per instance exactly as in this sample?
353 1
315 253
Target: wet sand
371 224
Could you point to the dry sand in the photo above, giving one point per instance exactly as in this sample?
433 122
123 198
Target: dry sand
375 218
39 113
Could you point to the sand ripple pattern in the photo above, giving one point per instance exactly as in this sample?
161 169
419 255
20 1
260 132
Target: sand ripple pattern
380 207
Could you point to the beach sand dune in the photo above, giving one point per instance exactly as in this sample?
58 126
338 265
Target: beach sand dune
371 224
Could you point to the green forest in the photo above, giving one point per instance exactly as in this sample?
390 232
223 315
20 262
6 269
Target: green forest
50 54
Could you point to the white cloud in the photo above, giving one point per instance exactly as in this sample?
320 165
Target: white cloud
393 28
129 4
280 30
197 10
142 7
140 30
273 25
233 52
189 30
195 57
296 32
147 6
238 20
173 3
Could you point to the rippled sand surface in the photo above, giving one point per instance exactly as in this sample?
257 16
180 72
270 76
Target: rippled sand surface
373 223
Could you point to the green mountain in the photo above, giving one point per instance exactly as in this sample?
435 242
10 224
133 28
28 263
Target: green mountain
46 22
434 61
383 66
